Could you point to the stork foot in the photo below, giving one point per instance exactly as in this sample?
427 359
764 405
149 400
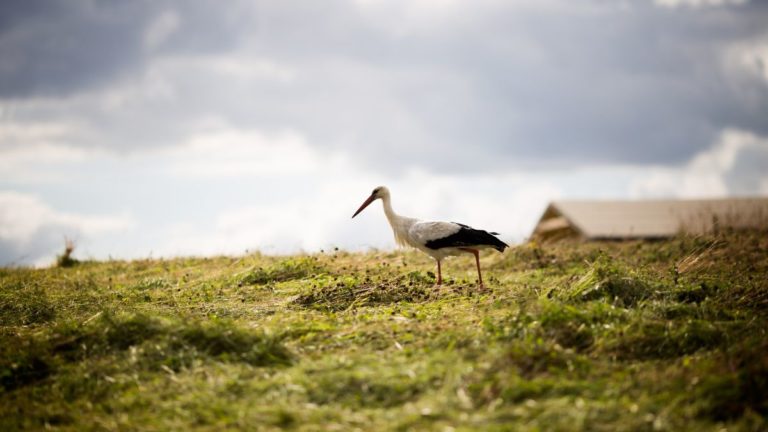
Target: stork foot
482 289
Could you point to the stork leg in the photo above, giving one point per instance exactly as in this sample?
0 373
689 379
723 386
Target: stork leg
439 273
476 253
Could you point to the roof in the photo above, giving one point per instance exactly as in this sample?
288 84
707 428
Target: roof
649 219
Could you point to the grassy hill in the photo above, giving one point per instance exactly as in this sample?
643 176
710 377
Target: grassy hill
615 336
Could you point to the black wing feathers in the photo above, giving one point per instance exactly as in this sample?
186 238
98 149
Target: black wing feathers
467 237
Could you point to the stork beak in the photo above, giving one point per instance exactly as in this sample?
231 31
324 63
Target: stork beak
365 204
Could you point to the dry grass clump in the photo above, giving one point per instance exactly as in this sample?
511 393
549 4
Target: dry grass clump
605 278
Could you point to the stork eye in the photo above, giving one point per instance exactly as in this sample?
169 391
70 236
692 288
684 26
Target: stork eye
375 191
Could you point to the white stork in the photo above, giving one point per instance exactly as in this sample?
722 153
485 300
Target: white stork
436 239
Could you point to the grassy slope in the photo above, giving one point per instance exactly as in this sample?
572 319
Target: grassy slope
633 336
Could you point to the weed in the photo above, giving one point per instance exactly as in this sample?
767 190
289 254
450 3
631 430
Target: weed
66 259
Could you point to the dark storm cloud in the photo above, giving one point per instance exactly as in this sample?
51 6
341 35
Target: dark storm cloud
57 47
492 85
600 82
636 85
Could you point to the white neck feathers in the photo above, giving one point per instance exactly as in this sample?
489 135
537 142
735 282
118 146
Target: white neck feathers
400 225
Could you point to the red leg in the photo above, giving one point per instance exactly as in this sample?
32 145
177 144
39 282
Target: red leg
477 261
439 274
476 253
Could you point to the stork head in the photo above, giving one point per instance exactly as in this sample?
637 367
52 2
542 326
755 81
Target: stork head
380 192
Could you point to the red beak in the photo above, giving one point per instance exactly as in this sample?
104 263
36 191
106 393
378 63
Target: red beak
365 204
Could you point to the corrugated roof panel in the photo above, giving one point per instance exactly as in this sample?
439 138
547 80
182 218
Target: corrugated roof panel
661 218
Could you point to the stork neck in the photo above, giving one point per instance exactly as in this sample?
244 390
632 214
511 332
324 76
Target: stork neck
400 225
391 215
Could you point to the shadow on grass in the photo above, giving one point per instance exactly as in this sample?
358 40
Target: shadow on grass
531 368
135 339
734 382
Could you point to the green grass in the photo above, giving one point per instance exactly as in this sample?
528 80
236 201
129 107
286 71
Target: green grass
667 335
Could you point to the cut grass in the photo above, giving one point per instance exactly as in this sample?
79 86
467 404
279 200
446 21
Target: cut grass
604 336
24 303
354 291
285 270
154 344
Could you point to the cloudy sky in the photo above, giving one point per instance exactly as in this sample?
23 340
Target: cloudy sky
162 128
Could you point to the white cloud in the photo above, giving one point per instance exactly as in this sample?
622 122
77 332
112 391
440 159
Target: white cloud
42 153
288 225
405 18
39 163
248 140
279 227
709 173
24 133
215 150
232 153
22 215
247 68
748 59
320 219
163 26
277 193
226 69
32 230
698 3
